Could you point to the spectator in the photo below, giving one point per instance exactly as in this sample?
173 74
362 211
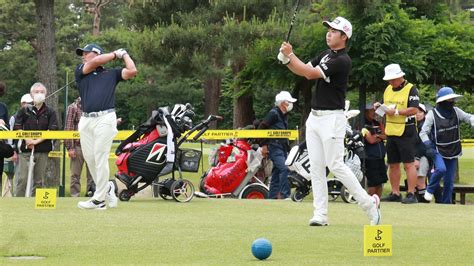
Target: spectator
24 101
35 117
375 168
401 103
277 118
422 164
74 150
3 122
442 137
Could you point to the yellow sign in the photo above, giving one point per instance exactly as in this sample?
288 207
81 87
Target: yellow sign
59 154
378 240
45 198
123 134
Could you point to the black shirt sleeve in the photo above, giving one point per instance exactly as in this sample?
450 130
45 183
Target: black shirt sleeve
270 119
413 98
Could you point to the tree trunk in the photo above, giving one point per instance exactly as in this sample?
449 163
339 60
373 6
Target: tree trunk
243 110
243 105
212 93
96 24
46 54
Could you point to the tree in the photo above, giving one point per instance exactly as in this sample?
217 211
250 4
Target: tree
46 54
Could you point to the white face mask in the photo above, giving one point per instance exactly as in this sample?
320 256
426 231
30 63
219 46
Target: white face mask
290 107
39 98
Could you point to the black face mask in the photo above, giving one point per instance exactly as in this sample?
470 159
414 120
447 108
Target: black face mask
446 105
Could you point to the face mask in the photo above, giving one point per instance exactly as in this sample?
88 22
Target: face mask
39 97
446 105
289 108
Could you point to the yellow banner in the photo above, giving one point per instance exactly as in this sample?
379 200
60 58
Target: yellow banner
59 154
123 134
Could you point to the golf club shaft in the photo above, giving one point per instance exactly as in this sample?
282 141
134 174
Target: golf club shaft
292 21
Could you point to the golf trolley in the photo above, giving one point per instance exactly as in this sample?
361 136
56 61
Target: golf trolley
233 172
142 157
299 166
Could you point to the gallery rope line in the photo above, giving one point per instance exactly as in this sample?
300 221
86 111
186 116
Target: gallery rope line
123 134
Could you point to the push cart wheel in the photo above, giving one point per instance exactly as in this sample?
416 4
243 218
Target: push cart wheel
297 196
125 195
182 190
333 197
165 195
347 196
255 192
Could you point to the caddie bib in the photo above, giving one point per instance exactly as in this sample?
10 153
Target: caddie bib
447 135
395 124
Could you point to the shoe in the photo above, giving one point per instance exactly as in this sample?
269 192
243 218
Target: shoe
111 197
374 213
91 205
428 196
167 169
314 222
410 199
392 197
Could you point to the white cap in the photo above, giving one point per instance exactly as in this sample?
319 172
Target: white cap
284 96
393 71
26 98
341 24
422 107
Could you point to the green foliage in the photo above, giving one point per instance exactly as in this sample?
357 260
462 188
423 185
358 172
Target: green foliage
179 46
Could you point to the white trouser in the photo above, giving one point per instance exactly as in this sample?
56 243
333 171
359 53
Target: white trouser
97 134
325 141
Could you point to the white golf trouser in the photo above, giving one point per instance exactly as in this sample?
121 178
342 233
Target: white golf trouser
325 141
97 134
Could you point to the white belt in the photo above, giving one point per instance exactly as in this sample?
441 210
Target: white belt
97 114
326 112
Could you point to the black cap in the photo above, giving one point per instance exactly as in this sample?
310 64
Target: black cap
91 47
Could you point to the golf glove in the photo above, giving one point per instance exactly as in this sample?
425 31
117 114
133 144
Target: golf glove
283 58
120 53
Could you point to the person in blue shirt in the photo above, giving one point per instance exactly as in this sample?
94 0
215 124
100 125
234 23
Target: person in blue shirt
277 118
375 167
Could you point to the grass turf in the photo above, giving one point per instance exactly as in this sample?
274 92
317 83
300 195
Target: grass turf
220 232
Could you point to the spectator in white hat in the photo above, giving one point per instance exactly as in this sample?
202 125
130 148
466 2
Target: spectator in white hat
277 118
441 135
401 100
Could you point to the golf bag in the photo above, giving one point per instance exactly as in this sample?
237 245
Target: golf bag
232 172
299 166
143 156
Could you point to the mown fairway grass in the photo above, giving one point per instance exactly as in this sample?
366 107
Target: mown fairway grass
220 232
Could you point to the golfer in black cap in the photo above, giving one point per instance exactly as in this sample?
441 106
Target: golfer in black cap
98 124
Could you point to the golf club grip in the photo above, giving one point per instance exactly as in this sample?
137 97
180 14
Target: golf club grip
292 21
200 133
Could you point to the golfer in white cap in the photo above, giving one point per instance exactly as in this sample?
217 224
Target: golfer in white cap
326 124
